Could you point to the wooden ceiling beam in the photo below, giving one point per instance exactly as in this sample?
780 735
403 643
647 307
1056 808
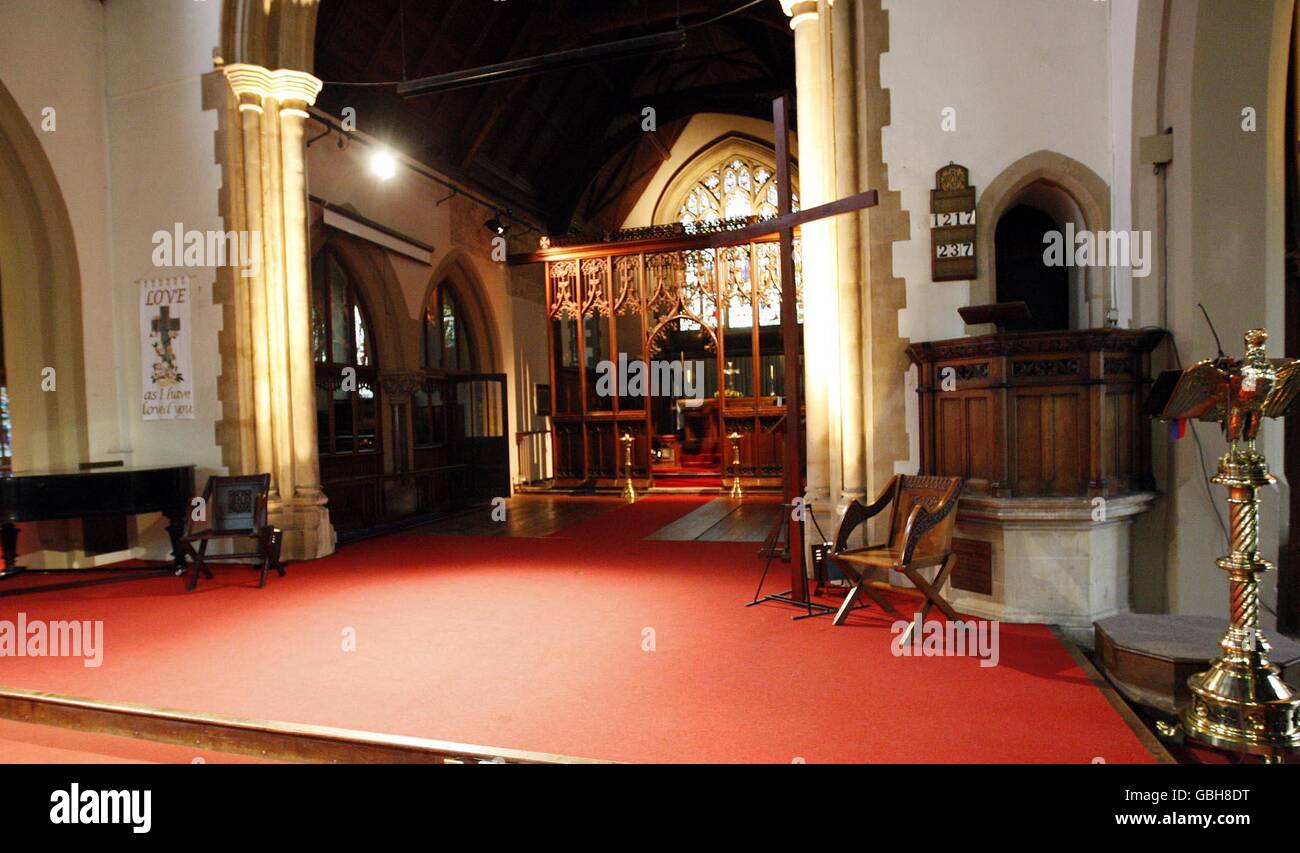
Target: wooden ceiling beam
392 28
579 178
438 43
523 39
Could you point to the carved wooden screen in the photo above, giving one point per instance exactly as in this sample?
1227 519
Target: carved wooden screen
630 301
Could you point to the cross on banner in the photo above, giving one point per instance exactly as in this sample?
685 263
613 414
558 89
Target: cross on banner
163 324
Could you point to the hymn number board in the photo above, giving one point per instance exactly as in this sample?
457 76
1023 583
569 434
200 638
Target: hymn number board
952 225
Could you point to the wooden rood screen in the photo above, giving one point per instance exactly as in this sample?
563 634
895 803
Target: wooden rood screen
674 341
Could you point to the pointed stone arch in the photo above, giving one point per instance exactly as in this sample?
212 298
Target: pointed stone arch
467 284
1052 171
704 160
379 291
40 285
270 33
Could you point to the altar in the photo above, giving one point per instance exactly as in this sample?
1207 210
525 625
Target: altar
1046 428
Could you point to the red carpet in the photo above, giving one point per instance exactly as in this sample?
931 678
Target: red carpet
538 644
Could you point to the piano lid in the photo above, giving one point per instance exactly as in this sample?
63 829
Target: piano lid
73 471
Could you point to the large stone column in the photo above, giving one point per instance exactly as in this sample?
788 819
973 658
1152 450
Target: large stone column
820 296
853 477
274 301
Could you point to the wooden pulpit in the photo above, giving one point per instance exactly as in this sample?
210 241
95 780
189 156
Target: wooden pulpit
1018 414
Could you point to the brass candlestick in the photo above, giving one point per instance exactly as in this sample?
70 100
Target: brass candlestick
629 492
1241 703
737 493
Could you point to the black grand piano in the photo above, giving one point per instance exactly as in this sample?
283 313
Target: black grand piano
98 495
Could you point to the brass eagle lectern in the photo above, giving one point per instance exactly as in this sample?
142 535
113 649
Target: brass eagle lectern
1241 704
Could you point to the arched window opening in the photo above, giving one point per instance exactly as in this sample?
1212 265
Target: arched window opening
447 347
736 188
347 376
448 340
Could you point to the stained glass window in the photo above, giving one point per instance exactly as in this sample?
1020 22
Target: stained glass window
340 333
347 411
6 445
448 344
737 187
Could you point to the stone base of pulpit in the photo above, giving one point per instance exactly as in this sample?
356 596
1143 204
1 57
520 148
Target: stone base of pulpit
1061 561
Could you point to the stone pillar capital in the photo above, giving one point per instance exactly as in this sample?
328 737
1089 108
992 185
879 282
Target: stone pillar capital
399 385
253 83
800 11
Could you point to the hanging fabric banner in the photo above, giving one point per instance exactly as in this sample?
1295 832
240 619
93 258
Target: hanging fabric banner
167 384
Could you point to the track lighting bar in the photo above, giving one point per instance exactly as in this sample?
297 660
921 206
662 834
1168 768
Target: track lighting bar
485 74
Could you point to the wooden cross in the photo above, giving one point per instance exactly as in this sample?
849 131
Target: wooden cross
784 225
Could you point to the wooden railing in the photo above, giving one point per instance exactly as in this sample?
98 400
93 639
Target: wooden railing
365 500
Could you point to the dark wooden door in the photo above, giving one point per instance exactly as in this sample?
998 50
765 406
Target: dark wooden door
479 434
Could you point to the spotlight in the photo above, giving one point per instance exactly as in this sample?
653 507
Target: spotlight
496 225
383 164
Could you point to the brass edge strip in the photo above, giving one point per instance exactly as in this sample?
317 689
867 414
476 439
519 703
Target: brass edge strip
1149 741
268 739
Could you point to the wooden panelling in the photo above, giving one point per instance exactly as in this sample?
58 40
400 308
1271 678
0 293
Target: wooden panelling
769 444
1050 456
950 456
978 420
1120 420
603 452
569 450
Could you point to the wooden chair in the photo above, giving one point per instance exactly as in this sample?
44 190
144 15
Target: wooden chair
236 509
921 520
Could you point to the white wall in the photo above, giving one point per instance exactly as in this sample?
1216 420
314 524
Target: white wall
34 45
1022 77
1224 225
1122 46
1040 84
133 152
163 170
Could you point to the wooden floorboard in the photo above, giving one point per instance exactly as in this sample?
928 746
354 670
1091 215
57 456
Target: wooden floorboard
749 522
724 520
719 520
526 516
697 522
